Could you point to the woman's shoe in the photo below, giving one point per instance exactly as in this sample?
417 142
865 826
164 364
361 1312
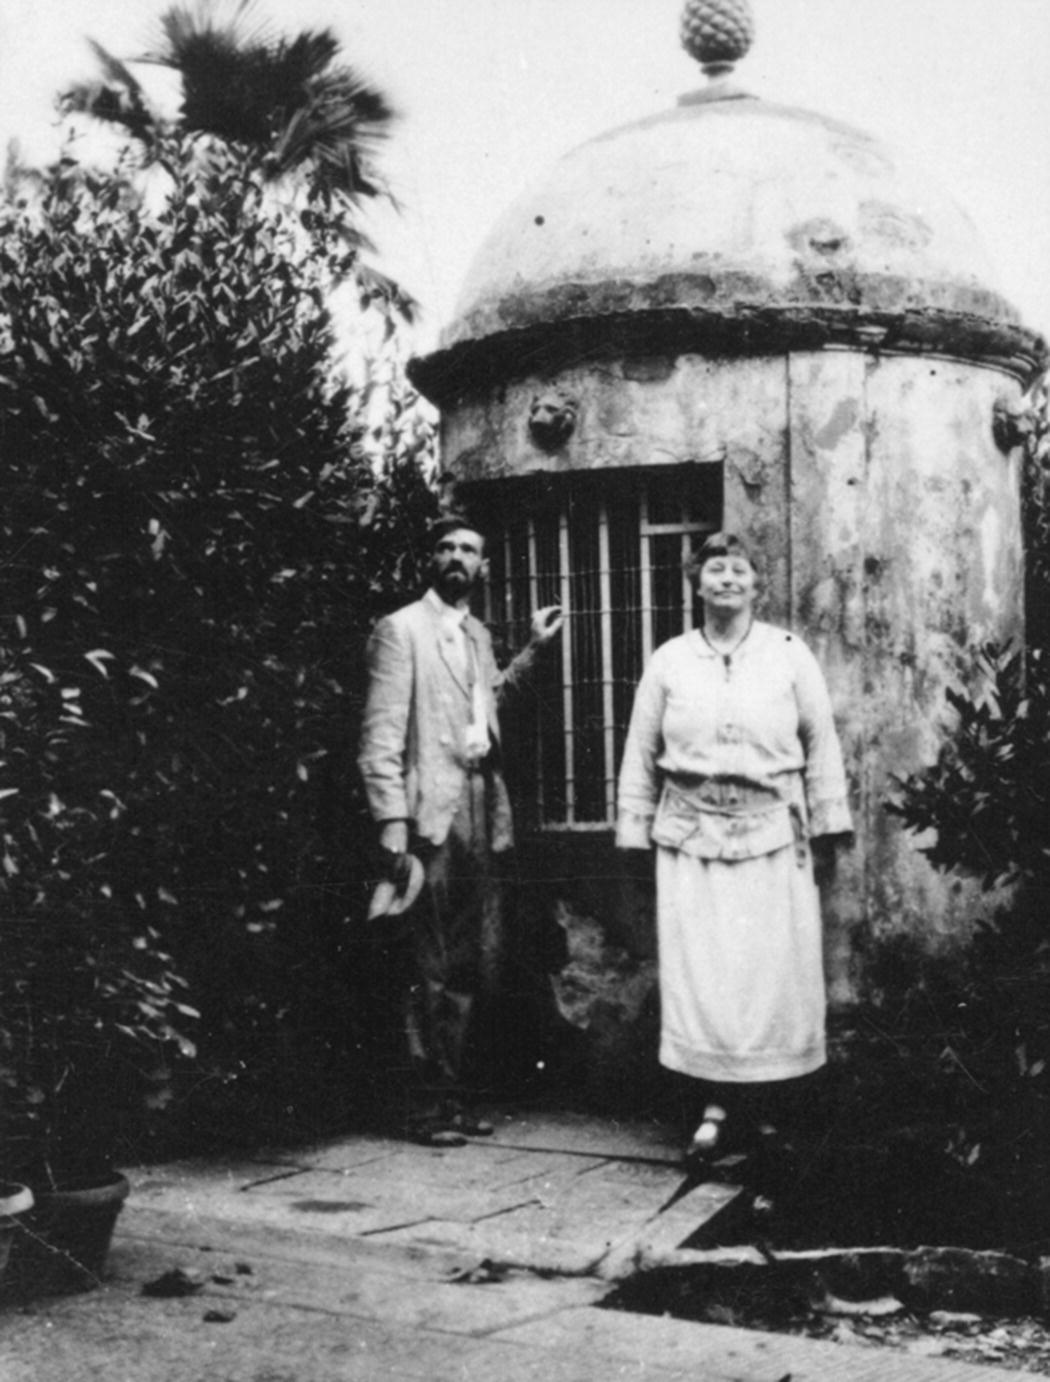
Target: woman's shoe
708 1137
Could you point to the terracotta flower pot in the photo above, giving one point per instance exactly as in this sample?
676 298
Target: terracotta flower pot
15 1202
62 1243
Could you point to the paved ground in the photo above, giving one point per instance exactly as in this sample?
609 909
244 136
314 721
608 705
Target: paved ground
366 1259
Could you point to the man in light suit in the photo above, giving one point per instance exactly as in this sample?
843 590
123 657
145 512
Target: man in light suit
430 761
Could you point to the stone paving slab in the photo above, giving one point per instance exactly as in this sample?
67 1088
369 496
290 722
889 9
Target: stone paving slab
565 1222
525 1245
480 1165
663 1233
260 1238
296 1323
328 1301
545 1246
341 1155
295 1318
577 1134
468 1171
583 1134
721 1353
128 1340
559 1209
427 1291
367 1205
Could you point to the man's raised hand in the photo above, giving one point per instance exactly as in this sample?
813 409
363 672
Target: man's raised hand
546 624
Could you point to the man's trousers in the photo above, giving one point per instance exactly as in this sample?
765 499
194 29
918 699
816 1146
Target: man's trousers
458 948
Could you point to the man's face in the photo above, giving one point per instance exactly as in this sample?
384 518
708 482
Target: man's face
457 564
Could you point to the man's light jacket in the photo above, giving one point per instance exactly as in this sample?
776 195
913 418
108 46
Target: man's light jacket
413 757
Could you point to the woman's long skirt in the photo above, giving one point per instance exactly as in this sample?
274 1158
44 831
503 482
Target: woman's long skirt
741 966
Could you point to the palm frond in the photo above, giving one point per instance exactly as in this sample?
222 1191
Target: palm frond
284 97
286 103
116 71
333 135
234 23
117 98
379 289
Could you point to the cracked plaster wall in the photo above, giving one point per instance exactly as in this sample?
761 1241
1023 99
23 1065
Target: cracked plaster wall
887 523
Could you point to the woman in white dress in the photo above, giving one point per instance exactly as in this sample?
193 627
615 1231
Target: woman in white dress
733 770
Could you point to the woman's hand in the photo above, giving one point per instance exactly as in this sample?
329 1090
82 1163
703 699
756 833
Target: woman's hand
825 850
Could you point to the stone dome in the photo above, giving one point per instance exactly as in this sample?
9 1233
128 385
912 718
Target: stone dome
726 225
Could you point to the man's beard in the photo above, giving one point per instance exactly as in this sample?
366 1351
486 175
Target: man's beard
454 582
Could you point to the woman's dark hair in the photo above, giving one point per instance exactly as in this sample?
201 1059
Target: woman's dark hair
718 545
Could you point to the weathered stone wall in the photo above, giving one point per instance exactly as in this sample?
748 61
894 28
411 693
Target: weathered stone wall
765 290
887 523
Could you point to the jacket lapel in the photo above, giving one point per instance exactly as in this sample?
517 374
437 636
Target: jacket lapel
442 646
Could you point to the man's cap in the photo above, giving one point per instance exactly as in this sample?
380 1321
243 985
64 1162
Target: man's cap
390 900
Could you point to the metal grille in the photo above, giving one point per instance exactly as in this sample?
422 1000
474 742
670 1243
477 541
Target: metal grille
609 548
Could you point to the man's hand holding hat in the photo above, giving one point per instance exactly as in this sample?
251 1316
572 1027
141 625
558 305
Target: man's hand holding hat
400 887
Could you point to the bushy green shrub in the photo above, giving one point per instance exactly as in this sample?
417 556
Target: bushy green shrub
197 525
986 797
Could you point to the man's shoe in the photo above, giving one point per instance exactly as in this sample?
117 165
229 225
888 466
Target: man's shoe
435 1132
443 1137
470 1125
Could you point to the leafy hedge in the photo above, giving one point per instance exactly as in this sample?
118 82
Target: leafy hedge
198 522
986 798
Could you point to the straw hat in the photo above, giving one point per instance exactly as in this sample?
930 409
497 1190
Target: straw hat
390 899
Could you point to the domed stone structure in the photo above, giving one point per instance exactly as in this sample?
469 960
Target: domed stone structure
728 224
743 315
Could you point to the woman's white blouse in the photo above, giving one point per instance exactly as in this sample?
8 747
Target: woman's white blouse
731 757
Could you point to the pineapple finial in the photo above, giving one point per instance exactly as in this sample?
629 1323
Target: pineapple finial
717 33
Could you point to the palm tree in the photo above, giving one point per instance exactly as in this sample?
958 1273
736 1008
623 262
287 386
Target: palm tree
289 102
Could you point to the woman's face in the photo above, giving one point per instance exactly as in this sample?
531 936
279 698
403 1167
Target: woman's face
727 584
